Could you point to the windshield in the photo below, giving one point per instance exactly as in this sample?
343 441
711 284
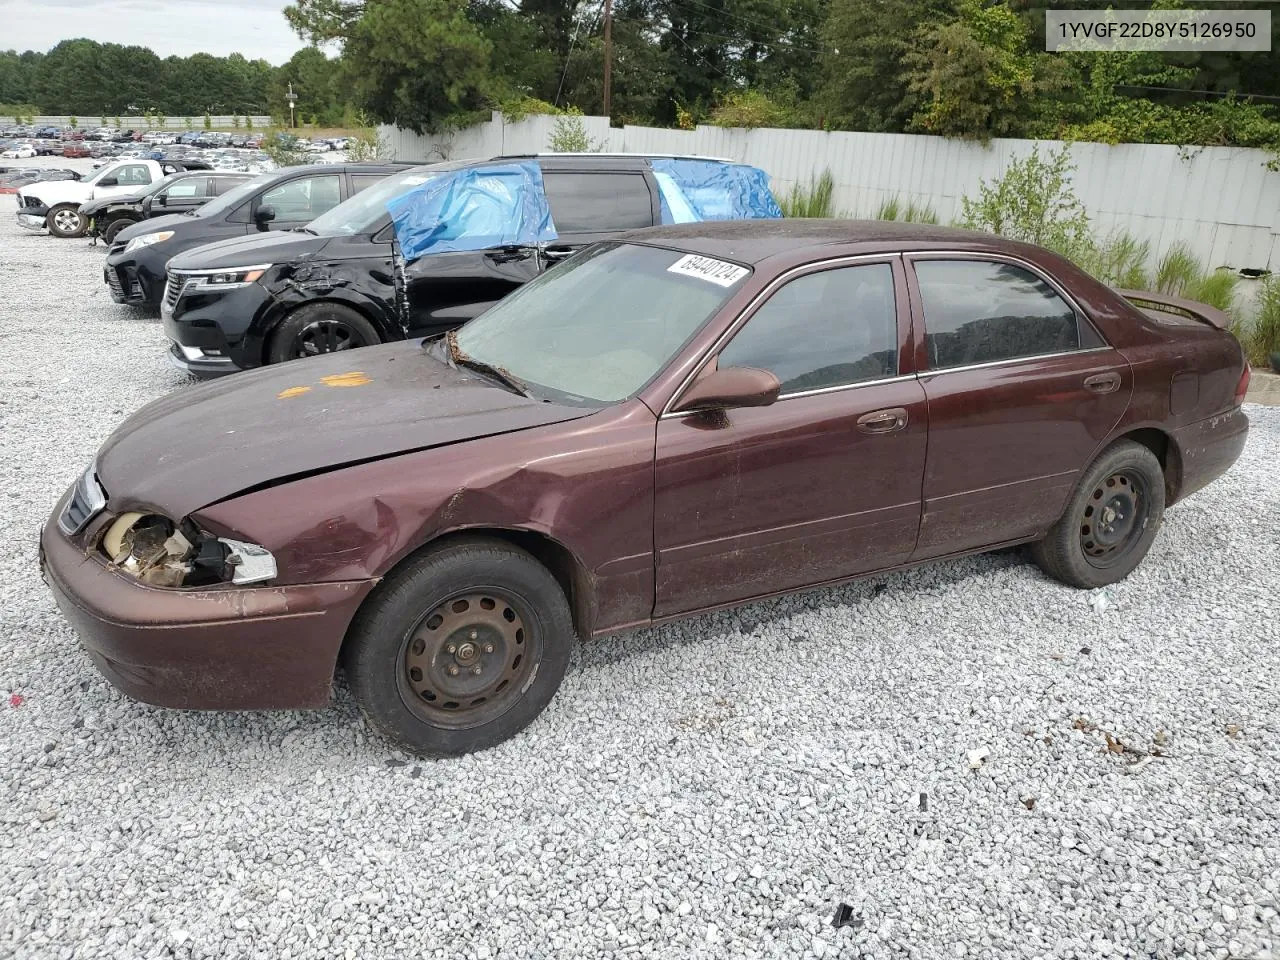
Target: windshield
602 325
364 211
233 197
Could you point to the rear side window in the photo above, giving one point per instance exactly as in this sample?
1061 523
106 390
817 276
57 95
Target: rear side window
221 185
598 202
827 329
133 174
190 187
360 181
977 311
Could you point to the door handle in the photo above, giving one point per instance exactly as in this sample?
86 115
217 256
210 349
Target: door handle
883 421
558 253
1103 382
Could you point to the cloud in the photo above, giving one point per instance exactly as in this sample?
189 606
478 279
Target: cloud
255 28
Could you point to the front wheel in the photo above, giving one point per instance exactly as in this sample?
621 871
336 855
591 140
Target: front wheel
114 227
460 648
320 328
1111 521
66 221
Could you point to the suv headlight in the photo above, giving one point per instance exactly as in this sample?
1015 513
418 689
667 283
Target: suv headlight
227 279
147 239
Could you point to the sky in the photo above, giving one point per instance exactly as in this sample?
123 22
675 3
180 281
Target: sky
255 28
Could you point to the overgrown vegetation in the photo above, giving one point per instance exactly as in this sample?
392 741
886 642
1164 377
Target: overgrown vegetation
569 135
1033 200
812 199
283 149
1261 336
910 212
961 68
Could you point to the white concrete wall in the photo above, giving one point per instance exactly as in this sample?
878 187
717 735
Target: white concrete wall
1222 202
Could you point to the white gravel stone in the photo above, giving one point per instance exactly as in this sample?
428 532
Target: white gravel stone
708 789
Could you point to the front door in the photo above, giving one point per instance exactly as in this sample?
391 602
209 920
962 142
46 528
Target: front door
821 485
1021 390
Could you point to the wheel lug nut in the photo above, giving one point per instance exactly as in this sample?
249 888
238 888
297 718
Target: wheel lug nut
474 634
452 648
476 670
453 671
488 648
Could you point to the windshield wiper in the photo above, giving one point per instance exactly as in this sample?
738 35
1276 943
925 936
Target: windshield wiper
462 359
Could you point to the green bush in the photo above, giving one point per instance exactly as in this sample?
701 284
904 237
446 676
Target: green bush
569 135
892 209
810 200
1118 260
1261 339
1033 200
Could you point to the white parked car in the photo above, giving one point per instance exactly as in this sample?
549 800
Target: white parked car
22 151
55 204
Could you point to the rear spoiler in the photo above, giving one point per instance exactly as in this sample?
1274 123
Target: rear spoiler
1163 303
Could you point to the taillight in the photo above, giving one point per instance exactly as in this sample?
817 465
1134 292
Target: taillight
1242 387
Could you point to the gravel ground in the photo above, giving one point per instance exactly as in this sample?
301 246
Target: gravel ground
710 789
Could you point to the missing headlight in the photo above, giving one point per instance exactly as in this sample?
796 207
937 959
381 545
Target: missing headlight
163 554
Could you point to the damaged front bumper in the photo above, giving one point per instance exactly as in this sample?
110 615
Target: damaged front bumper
218 647
34 219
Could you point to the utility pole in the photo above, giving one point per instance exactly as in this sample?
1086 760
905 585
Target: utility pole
608 56
292 98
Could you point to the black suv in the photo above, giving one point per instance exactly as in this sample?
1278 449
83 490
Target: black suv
176 193
278 201
341 283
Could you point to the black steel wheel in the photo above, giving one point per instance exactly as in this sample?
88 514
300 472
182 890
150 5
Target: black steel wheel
460 647
1111 521
466 661
320 328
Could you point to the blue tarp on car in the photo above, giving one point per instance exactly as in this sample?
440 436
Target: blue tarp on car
474 209
695 190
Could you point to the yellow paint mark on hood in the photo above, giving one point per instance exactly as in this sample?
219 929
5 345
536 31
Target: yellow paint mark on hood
355 378
292 392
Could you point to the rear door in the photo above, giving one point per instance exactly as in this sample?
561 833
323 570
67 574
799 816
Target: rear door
1021 391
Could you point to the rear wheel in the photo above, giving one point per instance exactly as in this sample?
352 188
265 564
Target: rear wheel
320 328
115 226
65 220
1111 521
460 648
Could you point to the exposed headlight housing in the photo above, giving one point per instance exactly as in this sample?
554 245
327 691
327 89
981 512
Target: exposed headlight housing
147 239
164 554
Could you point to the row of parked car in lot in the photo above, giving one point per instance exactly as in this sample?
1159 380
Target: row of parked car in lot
494 405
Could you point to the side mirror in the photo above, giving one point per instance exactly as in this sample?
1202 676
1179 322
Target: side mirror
160 200
730 387
264 215
109 182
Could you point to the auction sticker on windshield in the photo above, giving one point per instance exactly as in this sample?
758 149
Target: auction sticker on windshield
708 268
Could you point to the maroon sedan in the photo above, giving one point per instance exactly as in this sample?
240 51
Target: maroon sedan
686 418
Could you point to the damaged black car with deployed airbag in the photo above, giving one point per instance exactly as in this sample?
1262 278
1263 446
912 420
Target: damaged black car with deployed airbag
427 249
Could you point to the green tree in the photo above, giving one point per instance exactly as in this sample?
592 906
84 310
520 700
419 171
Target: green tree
420 64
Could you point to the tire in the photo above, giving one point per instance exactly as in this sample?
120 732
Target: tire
115 226
66 221
479 622
320 328
1110 522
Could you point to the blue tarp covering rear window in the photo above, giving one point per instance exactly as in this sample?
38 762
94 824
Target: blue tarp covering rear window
712 190
474 209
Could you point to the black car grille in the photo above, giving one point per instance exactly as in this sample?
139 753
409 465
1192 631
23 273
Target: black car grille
87 498
113 281
173 289
32 202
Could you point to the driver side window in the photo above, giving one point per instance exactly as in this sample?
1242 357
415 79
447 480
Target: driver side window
303 199
827 329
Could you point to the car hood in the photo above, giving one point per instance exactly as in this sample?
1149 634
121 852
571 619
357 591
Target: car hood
90 207
203 444
53 192
276 246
